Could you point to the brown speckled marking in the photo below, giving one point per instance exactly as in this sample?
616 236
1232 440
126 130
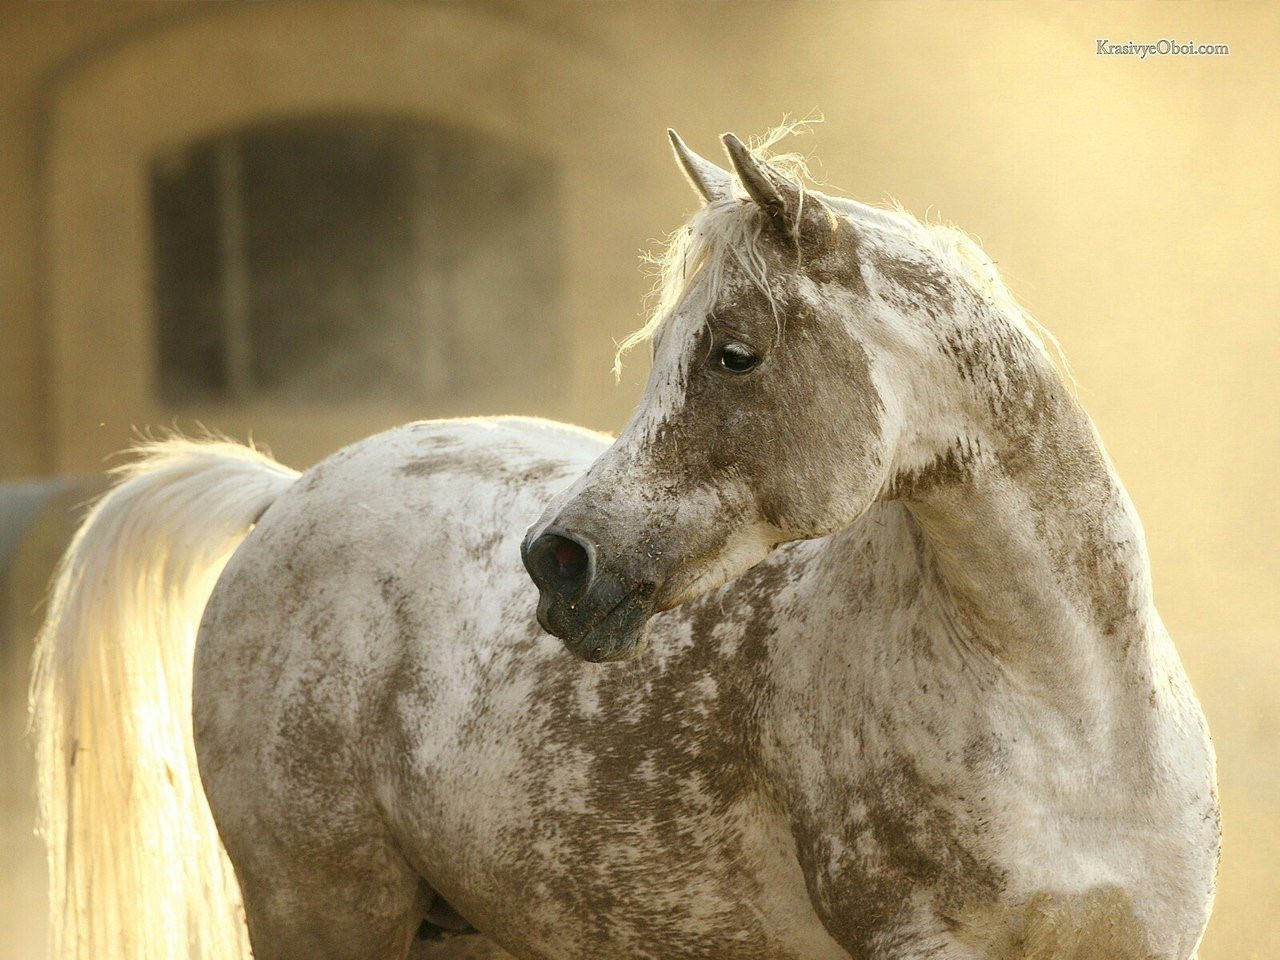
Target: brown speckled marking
927 284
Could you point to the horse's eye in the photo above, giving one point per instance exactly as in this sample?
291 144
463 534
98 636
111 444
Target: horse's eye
736 358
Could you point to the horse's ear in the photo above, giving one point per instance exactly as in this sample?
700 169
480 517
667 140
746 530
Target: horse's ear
779 197
712 182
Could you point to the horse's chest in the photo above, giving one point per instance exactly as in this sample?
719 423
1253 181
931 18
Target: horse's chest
910 860
891 860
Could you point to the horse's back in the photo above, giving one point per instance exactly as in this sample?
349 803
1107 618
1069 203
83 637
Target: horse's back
440 498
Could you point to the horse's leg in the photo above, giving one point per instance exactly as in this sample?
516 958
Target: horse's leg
353 899
472 946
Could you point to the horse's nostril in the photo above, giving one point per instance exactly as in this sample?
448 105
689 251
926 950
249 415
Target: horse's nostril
571 559
558 563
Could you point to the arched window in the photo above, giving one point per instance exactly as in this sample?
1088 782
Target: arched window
350 257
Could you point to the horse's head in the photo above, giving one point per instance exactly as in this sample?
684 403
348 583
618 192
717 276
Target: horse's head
772 412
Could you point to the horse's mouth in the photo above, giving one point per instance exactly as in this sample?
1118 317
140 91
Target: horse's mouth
616 634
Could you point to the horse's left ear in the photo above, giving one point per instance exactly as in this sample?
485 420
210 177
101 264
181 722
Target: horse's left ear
777 195
711 182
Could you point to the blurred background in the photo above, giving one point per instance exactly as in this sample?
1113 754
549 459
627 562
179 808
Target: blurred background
306 222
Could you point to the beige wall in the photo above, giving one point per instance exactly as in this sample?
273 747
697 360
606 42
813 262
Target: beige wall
1130 204
36 41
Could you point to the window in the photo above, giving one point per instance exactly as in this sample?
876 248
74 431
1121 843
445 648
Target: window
337 259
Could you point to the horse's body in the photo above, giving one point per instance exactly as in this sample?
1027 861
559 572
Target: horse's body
566 811
944 721
803 764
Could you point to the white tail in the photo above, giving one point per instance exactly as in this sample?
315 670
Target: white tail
136 870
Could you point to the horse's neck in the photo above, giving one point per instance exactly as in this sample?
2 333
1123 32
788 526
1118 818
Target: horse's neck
1013 550
1033 533
1001 602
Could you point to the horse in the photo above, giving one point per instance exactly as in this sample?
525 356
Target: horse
844 647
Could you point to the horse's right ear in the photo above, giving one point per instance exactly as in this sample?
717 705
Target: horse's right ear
712 182
781 199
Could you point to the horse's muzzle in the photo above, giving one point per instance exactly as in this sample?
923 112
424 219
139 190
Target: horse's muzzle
599 615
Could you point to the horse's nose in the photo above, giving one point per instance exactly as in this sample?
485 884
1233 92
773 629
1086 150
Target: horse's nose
559 563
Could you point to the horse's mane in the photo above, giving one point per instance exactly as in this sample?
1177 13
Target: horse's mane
730 228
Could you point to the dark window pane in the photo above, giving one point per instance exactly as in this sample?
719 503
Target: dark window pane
188 281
